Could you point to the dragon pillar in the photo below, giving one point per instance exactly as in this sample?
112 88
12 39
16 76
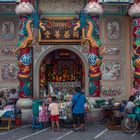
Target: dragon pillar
24 55
93 9
134 11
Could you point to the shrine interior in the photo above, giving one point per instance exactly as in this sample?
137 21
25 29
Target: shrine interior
61 70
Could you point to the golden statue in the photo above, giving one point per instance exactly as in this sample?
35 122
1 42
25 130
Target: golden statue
65 73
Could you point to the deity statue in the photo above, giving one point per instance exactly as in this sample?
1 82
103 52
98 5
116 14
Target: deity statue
42 75
65 73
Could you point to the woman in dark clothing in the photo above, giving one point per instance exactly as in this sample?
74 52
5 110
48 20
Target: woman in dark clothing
78 110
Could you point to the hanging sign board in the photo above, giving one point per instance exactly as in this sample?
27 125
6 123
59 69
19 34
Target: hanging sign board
59 30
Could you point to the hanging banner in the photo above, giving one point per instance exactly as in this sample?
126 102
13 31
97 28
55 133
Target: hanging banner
59 30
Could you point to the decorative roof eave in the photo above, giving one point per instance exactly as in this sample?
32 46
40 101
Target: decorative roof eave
134 10
94 8
24 7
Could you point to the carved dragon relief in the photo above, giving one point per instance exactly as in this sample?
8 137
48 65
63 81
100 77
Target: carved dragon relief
28 40
94 57
30 37
27 43
24 55
136 49
88 38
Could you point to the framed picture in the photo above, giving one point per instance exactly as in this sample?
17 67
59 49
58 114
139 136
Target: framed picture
111 91
9 71
111 70
112 31
7 50
112 51
8 29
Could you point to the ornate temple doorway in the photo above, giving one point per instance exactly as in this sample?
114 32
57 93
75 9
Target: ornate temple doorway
60 69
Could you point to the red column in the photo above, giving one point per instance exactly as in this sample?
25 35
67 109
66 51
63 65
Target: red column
94 57
24 51
94 70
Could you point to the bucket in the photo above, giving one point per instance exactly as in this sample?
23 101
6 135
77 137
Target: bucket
18 121
35 107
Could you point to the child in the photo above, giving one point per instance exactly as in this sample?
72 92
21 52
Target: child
130 105
135 89
54 112
43 115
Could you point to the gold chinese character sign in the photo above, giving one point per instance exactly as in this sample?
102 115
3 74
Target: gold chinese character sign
59 30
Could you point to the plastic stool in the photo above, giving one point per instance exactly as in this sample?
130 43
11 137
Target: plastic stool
36 124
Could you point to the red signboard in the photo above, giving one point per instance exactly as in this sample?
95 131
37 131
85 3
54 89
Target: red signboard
59 30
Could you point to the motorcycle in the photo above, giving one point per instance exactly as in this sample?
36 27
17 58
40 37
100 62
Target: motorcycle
131 121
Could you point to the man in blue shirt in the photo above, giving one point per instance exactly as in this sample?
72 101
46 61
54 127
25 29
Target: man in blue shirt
78 110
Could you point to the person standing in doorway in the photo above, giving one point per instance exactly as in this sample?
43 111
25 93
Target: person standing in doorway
78 109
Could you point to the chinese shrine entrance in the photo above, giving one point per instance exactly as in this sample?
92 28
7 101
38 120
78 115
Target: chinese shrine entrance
61 70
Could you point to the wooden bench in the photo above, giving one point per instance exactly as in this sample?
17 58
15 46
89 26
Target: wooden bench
8 126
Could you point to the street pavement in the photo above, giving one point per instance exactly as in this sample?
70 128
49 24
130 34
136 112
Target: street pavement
94 131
